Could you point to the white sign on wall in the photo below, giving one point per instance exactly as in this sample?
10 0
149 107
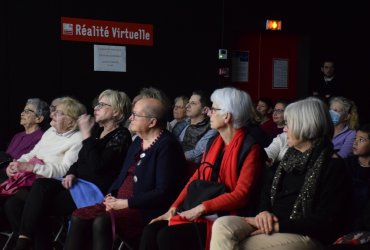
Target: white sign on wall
109 58
280 73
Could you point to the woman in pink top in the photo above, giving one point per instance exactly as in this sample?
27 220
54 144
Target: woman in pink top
34 116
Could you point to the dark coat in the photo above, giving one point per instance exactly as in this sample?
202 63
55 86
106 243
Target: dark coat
158 178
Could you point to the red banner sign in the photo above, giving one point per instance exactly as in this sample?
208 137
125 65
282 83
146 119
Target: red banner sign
99 31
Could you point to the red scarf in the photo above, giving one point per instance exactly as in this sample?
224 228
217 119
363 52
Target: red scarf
228 175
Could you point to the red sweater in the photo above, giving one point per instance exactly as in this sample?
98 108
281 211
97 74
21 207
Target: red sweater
239 188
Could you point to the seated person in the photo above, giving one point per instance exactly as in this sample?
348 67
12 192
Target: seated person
278 116
304 206
181 228
264 109
53 155
151 178
277 148
34 118
53 105
345 119
197 132
58 148
179 115
99 161
358 165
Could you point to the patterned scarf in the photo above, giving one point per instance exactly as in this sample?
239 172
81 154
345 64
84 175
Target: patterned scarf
309 162
193 134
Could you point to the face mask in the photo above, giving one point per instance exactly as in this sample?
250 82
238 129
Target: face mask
335 117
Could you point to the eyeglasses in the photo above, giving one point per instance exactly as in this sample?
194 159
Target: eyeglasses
213 109
279 110
58 113
101 105
134 115
28 111
52 108
361 140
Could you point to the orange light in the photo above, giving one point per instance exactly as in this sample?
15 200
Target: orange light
273 24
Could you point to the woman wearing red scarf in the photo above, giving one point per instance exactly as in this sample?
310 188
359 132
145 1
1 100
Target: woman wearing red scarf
231 112
304 205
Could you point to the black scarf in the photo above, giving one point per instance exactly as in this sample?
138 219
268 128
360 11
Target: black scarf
311 162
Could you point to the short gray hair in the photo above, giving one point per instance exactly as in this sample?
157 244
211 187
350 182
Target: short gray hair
41 107
236 102
309 119
159 112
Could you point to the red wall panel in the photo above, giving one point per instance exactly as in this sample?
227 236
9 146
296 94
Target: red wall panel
263 49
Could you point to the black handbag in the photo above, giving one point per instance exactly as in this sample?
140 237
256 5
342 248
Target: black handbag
203 190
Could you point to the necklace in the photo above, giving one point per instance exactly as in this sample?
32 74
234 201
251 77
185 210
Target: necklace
142 154
154 141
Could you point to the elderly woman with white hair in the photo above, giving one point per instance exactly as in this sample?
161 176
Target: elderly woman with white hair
51 157
34 116
182 228
58 148
99 162
304 204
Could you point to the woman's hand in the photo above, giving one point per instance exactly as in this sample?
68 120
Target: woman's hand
12 168
193 213
68 181
252 221
112 203
167 216
85 124
266 223
25 166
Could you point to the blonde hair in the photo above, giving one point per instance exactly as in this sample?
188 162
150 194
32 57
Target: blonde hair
71 107
349 108
120 102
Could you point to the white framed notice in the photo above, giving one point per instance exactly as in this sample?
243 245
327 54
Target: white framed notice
109 58
280 73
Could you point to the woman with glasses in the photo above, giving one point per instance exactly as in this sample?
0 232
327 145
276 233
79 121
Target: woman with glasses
57 150
278 115
99 161
178 228
53 105
150 179
51 157
303 206
34 118
276 150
